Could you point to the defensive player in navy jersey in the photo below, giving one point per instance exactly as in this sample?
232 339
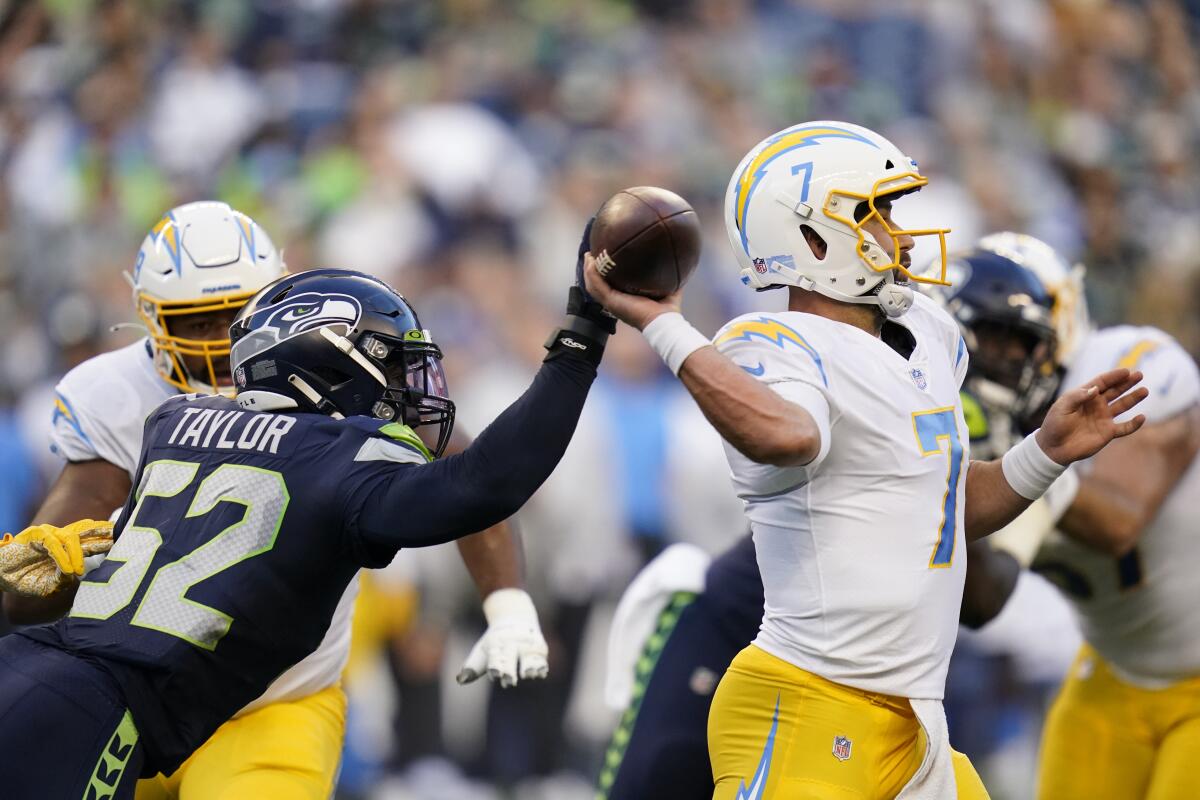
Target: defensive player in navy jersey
250 516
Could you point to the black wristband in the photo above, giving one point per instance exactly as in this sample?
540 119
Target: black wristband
577 338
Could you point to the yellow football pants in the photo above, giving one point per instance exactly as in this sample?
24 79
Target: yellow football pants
829 742
284 751
1108 740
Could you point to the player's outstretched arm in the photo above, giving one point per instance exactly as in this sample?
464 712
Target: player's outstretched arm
760 424
91 489
1128 482
492 478
1079 424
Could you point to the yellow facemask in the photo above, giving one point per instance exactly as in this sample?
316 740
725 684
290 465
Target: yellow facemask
170 350
897 184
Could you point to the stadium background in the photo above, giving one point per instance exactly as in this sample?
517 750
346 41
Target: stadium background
456 149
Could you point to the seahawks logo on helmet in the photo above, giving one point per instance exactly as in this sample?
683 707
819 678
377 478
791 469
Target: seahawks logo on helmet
294 316
308 311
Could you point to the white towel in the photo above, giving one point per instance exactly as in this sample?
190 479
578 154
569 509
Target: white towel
679 568
934 779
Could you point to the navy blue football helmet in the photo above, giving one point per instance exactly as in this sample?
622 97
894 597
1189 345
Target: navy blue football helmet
1005 313
340 343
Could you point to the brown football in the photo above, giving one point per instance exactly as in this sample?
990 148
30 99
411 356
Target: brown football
646 241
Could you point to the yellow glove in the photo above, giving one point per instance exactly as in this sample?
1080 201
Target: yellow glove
42 559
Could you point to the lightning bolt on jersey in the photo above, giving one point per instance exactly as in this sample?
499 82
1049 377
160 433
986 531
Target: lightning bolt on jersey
861 551
101 406
1139 611
233 552
100 410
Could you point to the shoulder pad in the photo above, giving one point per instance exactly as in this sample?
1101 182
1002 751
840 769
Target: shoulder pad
766 337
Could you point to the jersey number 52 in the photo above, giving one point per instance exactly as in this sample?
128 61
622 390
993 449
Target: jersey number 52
164 606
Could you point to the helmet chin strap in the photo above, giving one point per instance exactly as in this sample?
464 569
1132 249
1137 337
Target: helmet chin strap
892 298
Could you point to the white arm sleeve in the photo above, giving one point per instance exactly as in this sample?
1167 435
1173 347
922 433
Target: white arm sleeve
788 359
101 405
813 401
961 359
68 437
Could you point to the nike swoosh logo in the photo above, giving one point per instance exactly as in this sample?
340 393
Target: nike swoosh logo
758 784
755 371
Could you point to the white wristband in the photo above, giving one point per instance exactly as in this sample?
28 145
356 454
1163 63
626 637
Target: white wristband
1028 470
674 339
504 605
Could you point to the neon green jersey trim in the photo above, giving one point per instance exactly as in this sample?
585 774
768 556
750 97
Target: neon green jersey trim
406 435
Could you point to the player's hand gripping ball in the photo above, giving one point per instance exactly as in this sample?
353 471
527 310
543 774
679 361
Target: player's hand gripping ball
646 241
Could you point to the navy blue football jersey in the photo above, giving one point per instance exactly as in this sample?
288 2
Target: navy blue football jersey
244 528
733 591
242 532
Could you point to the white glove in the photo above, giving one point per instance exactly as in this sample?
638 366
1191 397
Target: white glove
512 645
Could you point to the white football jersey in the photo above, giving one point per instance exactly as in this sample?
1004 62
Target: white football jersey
100 410
1139 611
862 551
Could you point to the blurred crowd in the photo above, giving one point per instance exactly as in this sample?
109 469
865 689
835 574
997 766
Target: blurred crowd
457 148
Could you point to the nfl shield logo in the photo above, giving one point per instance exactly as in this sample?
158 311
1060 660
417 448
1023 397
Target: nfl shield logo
841 748
239 376
760 266
918 377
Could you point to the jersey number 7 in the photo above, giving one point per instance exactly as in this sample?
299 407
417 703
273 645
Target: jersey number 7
937 434
164 606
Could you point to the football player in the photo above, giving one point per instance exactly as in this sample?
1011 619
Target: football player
193 273
847 444
1116 535
252 516
694 631
660 746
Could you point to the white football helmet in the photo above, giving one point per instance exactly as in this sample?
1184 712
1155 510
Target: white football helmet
818 174
1064 282
201 257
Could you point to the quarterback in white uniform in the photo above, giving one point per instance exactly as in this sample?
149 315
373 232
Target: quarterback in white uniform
1125 554
848 446
818 544
194 271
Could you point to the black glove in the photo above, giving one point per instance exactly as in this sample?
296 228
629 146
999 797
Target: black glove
587 307
587 326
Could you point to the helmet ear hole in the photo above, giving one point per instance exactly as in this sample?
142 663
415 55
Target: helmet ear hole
815 242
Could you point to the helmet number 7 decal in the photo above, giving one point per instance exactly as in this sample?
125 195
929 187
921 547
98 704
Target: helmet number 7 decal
806 167
937 434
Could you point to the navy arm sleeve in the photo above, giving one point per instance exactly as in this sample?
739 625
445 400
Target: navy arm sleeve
421 505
